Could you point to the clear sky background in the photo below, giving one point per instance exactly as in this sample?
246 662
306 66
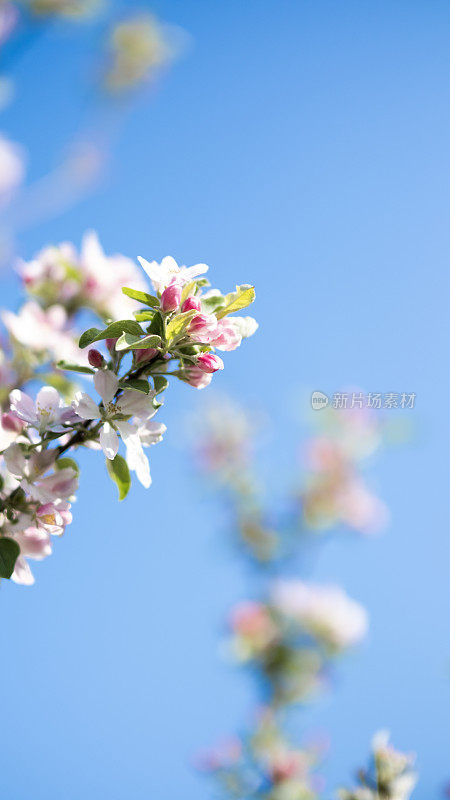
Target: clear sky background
304 147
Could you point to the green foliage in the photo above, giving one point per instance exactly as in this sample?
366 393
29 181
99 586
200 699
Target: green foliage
236 301
63 463
161 383
75 367
141 297
178 324
9 552
137 384
130 342
113 331
118 472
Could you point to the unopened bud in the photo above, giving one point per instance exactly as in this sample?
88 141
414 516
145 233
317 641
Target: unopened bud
171 298
209 362
12 423
95 358
140 356
192 304
111 344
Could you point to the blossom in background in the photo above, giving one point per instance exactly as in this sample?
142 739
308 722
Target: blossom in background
44 330
390 775
139 47
335 491
89 278
12 168
324 611
64 8
265 765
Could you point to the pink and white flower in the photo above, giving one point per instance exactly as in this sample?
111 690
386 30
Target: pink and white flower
130 403
324 611
47 413
168 271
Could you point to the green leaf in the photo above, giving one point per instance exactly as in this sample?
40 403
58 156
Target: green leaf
188 288
63 463
236 301
142 297
212 303
157 325
129 342
179 323
144 316
9 552
120 474
75 368
161 383
113 331
136 383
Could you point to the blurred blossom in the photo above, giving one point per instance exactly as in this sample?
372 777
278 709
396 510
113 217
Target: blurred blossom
292 637
12 169
335 492
8 19
65 8
390 775
88 278
264 765
140 47
44 330
324 611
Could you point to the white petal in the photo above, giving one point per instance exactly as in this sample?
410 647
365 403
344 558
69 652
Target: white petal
109 441
193 272
15 460
85 407
48 399
22 405
22 572
137 403
136 458
152 268
106 384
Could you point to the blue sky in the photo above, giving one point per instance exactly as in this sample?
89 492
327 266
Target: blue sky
303 147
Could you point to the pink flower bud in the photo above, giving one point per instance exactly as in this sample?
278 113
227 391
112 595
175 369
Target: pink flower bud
12 423
192 304
208 362
196 377
226 336
95 358
202 327
171 298
140 356
111 344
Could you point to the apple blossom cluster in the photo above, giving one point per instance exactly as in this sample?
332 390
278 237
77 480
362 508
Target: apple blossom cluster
293 633
332 492
265 765
291 638
123 365
335 492
390 777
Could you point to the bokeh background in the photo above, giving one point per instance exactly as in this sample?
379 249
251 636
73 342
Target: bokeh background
304 147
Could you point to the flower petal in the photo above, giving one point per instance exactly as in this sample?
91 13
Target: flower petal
84 406
106 384
49 400
109 441
22 405
136 458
